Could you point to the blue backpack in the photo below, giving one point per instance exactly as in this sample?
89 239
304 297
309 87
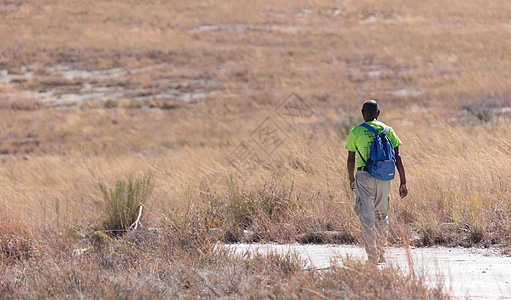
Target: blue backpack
381 163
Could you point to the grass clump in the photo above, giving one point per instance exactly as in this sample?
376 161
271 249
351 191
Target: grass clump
122 201
186 230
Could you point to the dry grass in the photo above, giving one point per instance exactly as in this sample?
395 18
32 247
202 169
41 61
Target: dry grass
438 70
158 271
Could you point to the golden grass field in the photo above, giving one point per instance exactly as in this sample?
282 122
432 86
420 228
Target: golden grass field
126 89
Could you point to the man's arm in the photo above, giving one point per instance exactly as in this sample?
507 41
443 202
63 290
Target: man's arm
403 189
351 168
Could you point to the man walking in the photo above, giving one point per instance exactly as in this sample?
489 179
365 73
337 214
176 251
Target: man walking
372 203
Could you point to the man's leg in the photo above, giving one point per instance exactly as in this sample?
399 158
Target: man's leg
364 208
381 211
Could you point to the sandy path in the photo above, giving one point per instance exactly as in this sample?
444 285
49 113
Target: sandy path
466 273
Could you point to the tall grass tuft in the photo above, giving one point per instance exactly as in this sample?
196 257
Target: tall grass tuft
122 201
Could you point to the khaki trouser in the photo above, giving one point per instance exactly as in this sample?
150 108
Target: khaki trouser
372 205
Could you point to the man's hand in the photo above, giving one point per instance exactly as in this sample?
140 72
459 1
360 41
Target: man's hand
403 190
352 185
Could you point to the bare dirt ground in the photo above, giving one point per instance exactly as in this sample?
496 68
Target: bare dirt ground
464 272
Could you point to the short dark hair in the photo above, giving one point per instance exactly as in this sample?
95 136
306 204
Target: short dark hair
370 106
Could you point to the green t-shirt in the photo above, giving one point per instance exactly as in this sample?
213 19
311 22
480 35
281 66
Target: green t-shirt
362 139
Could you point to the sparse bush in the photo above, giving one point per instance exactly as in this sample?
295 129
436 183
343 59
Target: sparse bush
240 206
16 241
122 201
235 216
187 230
274 203
482 110
261 212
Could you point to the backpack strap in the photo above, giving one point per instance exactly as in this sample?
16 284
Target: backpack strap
370 128
360 155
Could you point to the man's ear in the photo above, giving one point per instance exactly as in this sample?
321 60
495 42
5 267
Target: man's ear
378 114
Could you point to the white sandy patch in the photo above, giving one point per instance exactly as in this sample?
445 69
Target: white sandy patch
465 273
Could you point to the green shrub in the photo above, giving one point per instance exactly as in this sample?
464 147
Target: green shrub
122 201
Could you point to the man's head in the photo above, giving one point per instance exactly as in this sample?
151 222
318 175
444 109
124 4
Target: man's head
370 110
